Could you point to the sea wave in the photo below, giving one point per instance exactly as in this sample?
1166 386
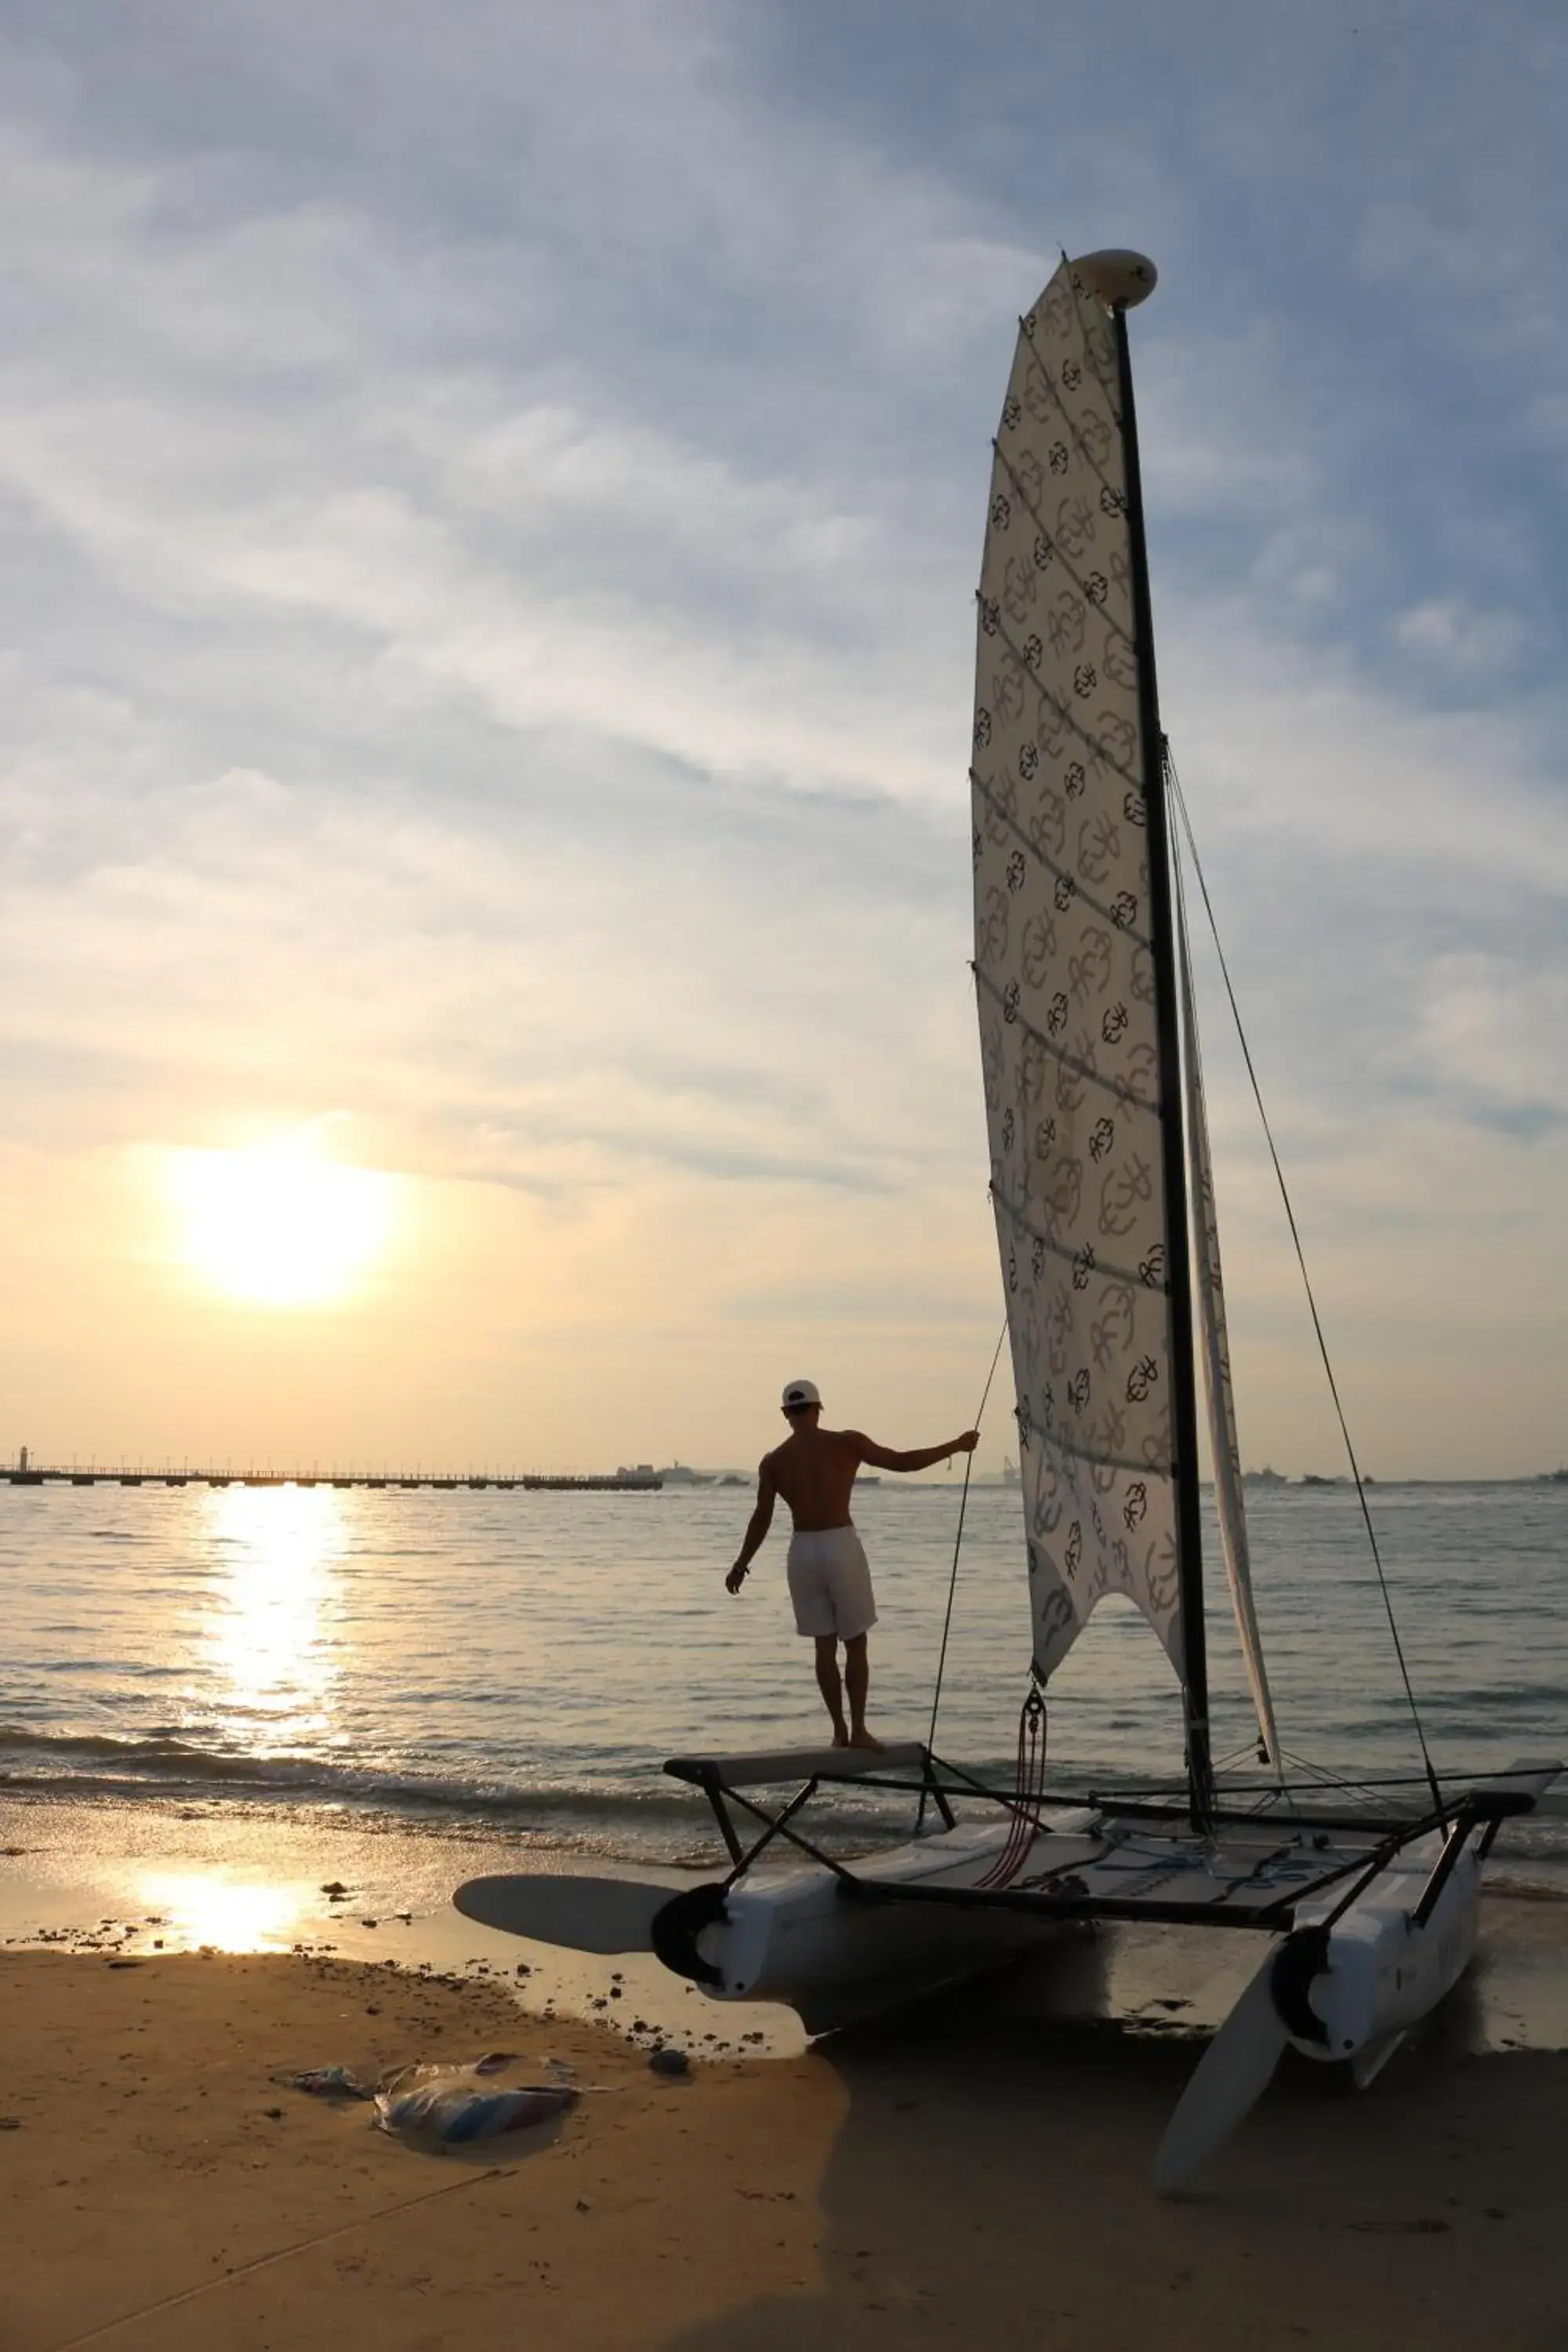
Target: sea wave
82 1763
633 1816
645 1818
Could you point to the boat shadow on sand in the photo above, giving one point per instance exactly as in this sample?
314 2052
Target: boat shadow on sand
990 2179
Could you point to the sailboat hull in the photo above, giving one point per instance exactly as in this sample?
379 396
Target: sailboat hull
801 1937
790 1935
1386 1968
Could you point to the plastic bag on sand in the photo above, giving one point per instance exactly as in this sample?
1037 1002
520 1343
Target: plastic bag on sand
451 2104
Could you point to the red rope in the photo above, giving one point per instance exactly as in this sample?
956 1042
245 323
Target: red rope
1031 1789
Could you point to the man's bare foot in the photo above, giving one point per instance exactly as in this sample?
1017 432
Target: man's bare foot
840 1738
864 1738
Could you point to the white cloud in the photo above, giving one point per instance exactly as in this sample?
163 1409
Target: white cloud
1289 742
491 647
1455 638
1496 1029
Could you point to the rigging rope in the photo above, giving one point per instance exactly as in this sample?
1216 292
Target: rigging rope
1024 1827
1306 1278
957 1543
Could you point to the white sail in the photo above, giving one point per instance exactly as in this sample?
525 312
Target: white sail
1066 982
1214 1346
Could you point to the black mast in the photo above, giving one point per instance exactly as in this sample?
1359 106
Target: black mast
1172 1145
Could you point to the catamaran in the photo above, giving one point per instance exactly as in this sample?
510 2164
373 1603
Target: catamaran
1366 1914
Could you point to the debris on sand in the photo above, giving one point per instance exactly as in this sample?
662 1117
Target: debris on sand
450 2104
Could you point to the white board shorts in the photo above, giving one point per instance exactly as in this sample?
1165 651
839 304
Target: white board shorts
830 1584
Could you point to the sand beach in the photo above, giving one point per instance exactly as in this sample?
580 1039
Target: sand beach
974 2170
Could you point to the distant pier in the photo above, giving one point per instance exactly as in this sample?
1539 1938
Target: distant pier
616 1482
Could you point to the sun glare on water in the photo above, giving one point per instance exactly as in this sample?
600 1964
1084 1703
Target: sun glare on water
279 1224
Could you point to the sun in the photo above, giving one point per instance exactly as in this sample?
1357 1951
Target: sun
279 1224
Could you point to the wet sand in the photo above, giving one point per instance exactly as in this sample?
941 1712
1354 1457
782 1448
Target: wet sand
141 1881
963 2173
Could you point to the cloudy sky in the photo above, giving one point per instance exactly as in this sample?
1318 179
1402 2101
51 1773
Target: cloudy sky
492 498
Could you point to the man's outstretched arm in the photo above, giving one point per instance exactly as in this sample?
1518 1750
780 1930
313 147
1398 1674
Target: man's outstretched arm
920 1458
757 1527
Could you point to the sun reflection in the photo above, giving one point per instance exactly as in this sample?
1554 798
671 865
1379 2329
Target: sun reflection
232 1916
275 1552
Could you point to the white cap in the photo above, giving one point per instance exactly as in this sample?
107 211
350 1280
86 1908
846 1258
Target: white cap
800 1392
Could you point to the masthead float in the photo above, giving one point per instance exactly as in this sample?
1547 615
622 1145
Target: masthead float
1110 1255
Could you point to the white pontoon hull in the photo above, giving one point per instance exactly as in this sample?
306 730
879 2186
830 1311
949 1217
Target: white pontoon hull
1362 1926
1386 1969
791 1937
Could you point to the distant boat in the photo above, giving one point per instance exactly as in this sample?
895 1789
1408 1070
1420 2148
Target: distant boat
1264 1478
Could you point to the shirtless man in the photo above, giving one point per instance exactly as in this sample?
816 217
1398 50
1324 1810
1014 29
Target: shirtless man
829 1582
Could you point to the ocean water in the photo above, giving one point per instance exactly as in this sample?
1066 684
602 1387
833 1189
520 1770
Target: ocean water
519 1664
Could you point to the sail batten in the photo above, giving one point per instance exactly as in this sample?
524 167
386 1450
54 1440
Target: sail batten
1060 1249
1068 990
1027 658
1059 1054
1021 492
1031 848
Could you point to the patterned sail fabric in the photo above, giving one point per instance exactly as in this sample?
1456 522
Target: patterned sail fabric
1066 983
1214 1346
